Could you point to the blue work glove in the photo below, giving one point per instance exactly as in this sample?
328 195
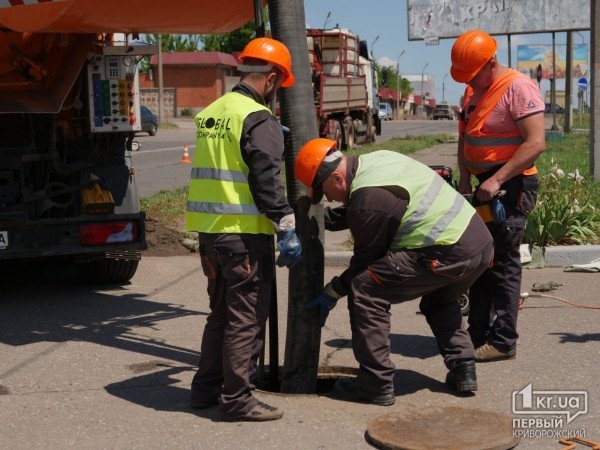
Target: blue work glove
325 304
290 249
498 211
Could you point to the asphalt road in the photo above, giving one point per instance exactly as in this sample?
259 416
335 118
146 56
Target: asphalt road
158 165
110 368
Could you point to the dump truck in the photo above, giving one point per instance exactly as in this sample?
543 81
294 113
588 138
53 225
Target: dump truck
69 110
344 87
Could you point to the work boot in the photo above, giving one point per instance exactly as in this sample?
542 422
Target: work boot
351 391
487 353
261 413
462 377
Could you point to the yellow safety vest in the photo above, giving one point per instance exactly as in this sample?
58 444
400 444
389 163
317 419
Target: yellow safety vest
219 198
436 213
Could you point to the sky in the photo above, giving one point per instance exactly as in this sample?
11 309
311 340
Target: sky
388 20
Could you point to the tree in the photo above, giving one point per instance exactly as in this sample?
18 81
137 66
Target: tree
234 41
171 43
388 77
229 42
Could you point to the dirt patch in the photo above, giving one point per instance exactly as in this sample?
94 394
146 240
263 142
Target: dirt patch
163 240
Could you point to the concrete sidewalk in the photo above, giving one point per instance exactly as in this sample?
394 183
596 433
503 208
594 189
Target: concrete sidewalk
111 368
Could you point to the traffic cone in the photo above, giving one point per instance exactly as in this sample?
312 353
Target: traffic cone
186 156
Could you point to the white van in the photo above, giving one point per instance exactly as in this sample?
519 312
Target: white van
385 111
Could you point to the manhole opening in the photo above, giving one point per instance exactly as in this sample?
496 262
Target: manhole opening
326 378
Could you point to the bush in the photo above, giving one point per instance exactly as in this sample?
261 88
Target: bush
564 214
186 112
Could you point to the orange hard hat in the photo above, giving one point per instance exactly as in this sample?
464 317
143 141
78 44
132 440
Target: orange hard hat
316 160
471 51
273 52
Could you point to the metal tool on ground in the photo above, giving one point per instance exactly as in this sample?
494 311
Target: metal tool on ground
544 287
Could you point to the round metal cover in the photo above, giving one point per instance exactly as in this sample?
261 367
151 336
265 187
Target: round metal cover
449 427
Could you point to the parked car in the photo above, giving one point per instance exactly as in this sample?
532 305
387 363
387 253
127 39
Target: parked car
385 111
149 121
557 108
442 111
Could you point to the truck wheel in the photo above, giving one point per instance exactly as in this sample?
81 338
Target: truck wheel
337 135
371 130
348 134
107 271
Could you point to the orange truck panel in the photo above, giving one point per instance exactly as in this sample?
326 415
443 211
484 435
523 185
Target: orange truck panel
131 16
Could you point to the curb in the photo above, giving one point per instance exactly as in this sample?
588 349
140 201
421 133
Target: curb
558 256
574 254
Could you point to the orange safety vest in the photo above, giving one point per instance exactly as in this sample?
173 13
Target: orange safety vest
483 152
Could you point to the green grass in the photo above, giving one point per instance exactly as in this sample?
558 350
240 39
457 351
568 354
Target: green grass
406 146
582 123
167 207
571 153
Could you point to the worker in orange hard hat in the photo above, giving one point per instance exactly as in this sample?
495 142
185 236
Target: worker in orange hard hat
414 236
237 203
273 52
501 134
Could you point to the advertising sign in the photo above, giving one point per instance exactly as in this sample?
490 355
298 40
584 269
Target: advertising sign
530 56
450 18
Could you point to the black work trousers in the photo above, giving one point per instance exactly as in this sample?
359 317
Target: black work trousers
240 270
407 275
494 297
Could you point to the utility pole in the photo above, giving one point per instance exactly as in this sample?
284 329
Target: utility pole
594 85
423 98
161 108
303 334
372 44
398 90
444 89
553 84
568 111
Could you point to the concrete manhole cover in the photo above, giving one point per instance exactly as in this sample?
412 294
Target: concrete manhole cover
443 428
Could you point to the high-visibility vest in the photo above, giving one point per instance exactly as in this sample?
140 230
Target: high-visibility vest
219 197
483 152
436 213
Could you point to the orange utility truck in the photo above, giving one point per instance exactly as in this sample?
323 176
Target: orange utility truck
69 109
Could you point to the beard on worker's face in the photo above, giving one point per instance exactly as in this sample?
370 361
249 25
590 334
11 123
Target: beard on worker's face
270 95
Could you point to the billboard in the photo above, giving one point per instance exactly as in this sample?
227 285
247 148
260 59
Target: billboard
530 56
450 18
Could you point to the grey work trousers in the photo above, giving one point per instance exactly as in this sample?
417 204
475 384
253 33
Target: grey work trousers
240 270
398 277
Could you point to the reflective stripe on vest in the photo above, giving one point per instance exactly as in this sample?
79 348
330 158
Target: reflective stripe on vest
436 213
485 152
219 198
